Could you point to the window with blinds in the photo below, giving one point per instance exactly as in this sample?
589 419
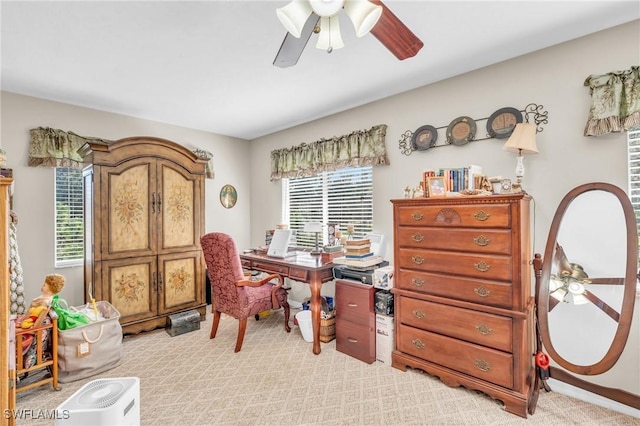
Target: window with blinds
69 217
633 138
341 197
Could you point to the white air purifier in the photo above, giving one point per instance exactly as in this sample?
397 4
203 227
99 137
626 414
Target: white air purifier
102 402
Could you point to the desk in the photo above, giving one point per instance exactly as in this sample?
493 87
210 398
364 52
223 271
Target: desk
302 267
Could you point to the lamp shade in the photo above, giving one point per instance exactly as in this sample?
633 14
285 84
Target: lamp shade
523 139
294 15
330 37
363 14
326 8
313 227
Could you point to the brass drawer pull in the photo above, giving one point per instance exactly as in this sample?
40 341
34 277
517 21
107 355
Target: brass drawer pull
419 314
352 340
352 305
418 260
417 343
482 365
418 238
482 215
482 291
417 216
481 241
418 282
482 266
484 329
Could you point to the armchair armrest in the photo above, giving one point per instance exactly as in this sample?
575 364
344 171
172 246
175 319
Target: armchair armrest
263 281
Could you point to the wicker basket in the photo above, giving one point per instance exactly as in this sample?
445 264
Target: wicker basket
327 329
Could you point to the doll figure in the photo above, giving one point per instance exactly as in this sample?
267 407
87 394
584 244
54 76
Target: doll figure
53 284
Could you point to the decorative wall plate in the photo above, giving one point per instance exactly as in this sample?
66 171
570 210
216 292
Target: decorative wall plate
424 138
502 122
228 196
461 130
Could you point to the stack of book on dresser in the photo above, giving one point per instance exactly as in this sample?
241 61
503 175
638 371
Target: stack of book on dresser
358 249
358 254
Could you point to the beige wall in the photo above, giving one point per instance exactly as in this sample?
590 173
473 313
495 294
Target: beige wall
34 186
553 78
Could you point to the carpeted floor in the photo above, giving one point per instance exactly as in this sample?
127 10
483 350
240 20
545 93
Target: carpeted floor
276 380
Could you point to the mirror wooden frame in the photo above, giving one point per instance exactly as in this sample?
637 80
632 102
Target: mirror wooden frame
542 270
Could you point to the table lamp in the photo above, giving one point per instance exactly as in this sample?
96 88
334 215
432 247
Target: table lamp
315 227
522 141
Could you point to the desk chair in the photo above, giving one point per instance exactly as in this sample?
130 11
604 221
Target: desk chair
232 293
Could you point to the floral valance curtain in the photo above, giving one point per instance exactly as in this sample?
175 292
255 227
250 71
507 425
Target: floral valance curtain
56 148
615 102
359 148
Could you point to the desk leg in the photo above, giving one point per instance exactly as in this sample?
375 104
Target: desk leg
316 307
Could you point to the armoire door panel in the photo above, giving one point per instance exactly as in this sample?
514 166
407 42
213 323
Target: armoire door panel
176 199
132 286
130 224
179 277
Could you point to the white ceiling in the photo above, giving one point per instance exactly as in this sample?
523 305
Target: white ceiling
208 65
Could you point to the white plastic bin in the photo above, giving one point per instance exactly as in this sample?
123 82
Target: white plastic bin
305 325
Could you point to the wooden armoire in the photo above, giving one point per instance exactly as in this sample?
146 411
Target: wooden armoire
144 215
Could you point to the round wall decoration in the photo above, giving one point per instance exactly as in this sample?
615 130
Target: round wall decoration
228 196
502 122
461 130
424 138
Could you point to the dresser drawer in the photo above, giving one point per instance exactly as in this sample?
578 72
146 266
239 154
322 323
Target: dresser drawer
484 292
354 302
477 327
484 363
492 267
465 216
496 241
358 341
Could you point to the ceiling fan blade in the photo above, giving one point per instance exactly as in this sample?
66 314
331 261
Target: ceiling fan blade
292 47
395 36
602 305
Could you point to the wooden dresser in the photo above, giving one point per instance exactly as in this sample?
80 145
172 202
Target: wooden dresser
463 303
355 320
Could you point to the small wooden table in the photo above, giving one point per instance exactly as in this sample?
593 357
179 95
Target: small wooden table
301 267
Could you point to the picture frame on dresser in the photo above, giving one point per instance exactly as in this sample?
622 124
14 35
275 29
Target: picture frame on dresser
436 186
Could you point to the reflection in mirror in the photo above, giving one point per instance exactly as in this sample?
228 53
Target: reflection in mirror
585 286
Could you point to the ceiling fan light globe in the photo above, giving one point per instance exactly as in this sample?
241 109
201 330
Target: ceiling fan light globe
326 8
294 15
329 37
578 299
559 294
363 14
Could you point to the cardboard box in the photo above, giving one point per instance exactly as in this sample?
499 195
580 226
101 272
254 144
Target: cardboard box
384 325
383 277
383 302
385 338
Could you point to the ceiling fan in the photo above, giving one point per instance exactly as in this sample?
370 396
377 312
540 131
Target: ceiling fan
571 284
302 18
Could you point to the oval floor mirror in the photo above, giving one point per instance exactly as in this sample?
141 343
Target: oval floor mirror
585 293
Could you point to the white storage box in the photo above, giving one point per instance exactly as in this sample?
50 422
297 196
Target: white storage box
385 338
383 277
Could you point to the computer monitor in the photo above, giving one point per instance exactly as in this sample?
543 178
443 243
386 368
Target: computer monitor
378 243
279 243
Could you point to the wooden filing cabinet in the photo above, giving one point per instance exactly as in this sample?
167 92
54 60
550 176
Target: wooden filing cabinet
463 304
355 320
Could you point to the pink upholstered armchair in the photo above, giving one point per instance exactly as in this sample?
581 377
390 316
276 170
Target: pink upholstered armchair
232 292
